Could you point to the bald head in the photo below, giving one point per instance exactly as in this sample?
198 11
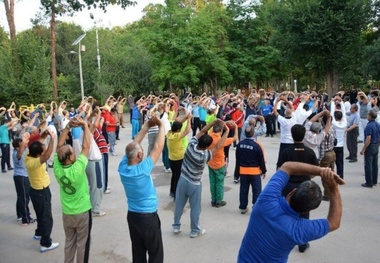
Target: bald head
132 151
249 131
66 154
252 122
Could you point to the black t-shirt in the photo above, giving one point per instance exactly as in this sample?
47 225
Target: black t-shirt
298 152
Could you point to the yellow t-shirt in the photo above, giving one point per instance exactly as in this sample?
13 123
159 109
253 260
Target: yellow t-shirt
171 116
38 176
175 146
218 159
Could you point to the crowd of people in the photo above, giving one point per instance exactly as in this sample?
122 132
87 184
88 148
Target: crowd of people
313 131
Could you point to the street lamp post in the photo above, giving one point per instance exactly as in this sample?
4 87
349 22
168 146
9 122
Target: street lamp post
295 86
97 42
77 42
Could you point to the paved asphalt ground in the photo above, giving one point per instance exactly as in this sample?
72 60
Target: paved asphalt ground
357 240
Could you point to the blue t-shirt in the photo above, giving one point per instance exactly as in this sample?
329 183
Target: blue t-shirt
135 113
4 134
202 113
275 228
76 133
138 185
266 109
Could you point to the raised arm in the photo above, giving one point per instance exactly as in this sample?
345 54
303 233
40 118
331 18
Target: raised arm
188 126
160 140
205 129
46 154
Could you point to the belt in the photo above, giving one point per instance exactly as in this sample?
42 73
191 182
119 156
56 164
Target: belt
137 214
250 170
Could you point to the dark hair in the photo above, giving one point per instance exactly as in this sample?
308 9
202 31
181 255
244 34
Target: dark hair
307 197
16 142
218 127
306 107
372 114
227 117
204 141
338 115
249 131
298 132
176 126
35 149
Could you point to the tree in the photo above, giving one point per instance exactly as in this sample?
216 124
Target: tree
321 36
10 13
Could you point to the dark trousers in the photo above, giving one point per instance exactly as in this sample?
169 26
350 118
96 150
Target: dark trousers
117 132
22 204
245 182
145 233
270 123
288 188
371 164
6 155
339 160
239 136
105 170
165 155
352 143
196 125
41 200
130 116
201 124
176 172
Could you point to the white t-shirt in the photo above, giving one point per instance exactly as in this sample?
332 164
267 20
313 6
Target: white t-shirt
286 126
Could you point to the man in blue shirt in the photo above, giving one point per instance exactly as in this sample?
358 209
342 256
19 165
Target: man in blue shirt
143 221
275 226
371 150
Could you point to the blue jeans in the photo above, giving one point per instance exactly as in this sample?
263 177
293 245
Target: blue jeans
135 128
165 156
371 164
112 141
245 182
193 192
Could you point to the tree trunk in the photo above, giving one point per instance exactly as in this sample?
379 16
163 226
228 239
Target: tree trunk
10 12
329 83
336 81
53 59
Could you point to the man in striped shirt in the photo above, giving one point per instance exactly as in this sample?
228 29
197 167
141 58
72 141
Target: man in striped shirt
189 184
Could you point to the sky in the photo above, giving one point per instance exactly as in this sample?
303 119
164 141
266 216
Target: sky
115 15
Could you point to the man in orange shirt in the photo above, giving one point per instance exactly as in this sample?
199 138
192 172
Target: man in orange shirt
217 164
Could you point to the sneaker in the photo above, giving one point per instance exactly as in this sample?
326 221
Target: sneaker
10 168
107 192
19 218
236 181
46 249
220 204
114 154
176 230
98 214
348 158
198 234
108 187
3 171
227 175
213 204
168 170
36 237
243 211
353 160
